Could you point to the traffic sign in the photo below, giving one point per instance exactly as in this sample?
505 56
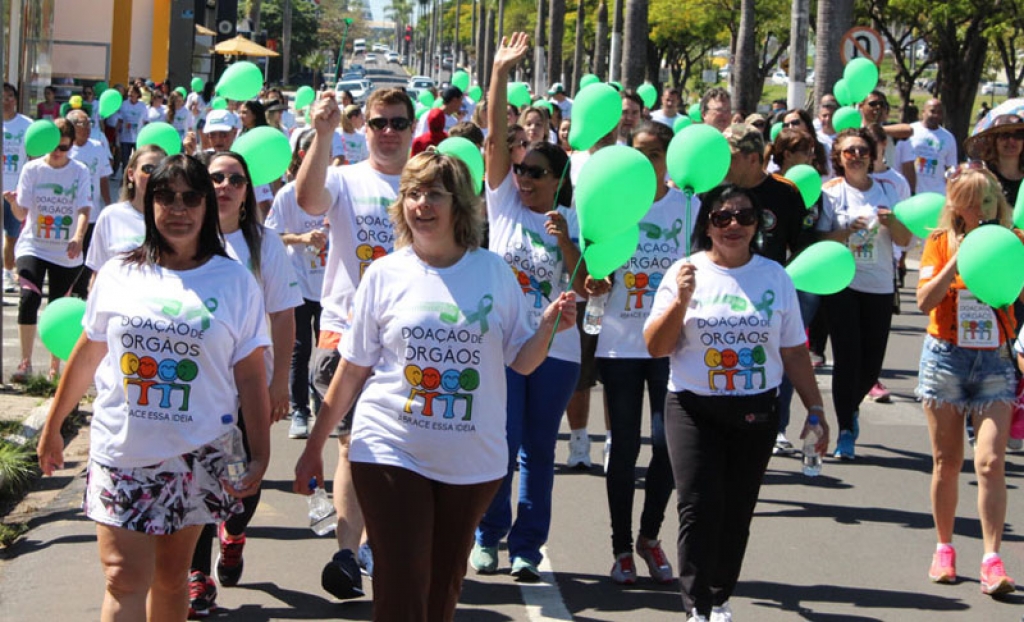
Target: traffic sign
861 41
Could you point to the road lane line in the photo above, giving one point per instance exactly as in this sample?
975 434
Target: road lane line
543 600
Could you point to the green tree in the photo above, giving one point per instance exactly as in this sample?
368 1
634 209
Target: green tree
683 32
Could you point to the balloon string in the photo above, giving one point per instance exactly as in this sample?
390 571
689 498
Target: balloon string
689 197
558 318
561 180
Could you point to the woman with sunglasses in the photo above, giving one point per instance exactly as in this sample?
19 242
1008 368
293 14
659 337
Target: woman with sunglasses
800 120
1001 147
966 373
435 324
857 211
729 321
247 241
53 199
533 229
174 331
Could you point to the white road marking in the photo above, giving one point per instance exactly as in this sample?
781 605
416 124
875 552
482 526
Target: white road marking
543 599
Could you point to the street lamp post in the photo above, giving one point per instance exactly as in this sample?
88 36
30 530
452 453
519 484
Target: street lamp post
341 50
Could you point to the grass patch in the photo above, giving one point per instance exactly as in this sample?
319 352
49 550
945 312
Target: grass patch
9 532
38 385
17 468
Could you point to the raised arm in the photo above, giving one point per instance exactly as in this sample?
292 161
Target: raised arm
509 52
311 181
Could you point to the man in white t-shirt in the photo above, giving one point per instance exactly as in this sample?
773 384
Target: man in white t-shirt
15 126
355 200
668 114
929 151
823 124
560 99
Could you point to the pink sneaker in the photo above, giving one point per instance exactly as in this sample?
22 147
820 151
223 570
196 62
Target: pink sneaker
943 568
880 394
993 578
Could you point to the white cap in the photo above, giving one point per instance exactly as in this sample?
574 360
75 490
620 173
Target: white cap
220 121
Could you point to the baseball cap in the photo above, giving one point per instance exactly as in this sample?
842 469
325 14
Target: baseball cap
220 121
744 138
556 88
274 105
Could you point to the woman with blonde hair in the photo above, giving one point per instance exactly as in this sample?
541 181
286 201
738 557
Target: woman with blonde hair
966 372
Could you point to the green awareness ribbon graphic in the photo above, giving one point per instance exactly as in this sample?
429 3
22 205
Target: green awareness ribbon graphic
483 309
767 300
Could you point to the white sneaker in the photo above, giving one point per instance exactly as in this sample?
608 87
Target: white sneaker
579 453
721 614
696 617
10 282
782 445
607 452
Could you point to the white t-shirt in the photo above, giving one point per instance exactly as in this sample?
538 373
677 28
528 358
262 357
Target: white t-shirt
899 183
932 152
131 116
662 242
871 248
182 121
565 106
287 217
167 333
53 198
337 144
735 325
360 232
438 340
576 162
660 116
355 146
519 236
14 149
119 229
155 114
97 159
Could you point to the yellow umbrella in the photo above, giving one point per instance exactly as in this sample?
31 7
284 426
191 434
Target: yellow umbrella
240 46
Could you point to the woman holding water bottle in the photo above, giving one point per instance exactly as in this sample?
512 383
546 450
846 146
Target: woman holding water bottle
174 335
729 321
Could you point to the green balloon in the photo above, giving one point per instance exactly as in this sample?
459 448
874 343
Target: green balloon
466 151
846 118
823 268
197 85
420 109
682 122
694 113
843 93
426 98
1018 211
546 105
181 91
475 93
595 113
41 138
241 81
519 94
219 103
920 213
588 79
60 325
606 257
304 97
438 103
648 93
991 262
162 135
808 181
110 102
267 153
615 189
460 80
616 85
65 108
776 128
100 88
861 75
698 158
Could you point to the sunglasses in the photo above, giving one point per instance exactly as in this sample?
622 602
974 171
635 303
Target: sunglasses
796 123
533 172
743 217
522 144
856 151
1019 135
63 147
954 174
236 180
876 103
148 168
189 198
397 123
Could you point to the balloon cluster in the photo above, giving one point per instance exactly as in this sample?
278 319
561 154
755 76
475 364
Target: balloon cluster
860 77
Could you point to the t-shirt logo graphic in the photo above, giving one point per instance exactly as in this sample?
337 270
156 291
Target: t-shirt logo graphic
165 378
451 388
177 309
640 285
53 227
479 316
653 231
730 364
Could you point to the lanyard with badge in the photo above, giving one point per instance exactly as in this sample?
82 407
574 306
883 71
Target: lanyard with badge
975 322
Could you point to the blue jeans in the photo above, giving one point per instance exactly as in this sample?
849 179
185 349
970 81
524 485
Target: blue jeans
624 381
535 406
809 304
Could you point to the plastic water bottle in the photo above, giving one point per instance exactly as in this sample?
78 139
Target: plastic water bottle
235 461
594 314
323 518
812 459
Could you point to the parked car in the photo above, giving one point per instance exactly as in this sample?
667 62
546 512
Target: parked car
779 78
392 57
356 87
371 58
995 88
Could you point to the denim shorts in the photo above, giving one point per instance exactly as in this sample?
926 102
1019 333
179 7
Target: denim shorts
967 378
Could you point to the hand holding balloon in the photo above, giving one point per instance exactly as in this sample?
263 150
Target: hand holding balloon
557 227
597 287
686 281
326 116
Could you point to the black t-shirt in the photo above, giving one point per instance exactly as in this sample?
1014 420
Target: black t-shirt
1011 187
787 227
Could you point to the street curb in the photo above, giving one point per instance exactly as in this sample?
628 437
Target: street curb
32 425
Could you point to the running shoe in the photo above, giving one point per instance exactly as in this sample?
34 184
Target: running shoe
696 617
722 613
365 560
880 394
525 571
845 446
10 282
817 360
341 577
579 453
484 559
657 562
782 445
229 561
202 595
624 570
299 427
993 578
23 373
943 568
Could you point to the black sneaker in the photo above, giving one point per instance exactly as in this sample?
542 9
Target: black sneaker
341 576
229 562
202 595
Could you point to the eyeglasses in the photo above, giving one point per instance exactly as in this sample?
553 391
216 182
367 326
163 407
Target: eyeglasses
148 168
954 174
433 196
189 198
876 103
1018 135
522 144
398 124
236 180
743 217
856 151
796 123
533 172
63 147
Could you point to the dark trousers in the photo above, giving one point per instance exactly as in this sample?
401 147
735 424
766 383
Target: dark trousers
859 329
625 380
422 532
31 273
719 455
307 332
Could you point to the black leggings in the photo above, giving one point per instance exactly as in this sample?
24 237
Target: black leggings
31 272
201 557
859 328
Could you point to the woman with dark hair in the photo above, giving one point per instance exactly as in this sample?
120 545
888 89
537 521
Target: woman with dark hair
533 228
1001 147
156 110
800 119
246 241
517 144
721 414
252 114
130 118
177 318
53 199
857 211
48 108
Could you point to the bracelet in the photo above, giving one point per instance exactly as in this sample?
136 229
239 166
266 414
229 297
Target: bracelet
816 407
